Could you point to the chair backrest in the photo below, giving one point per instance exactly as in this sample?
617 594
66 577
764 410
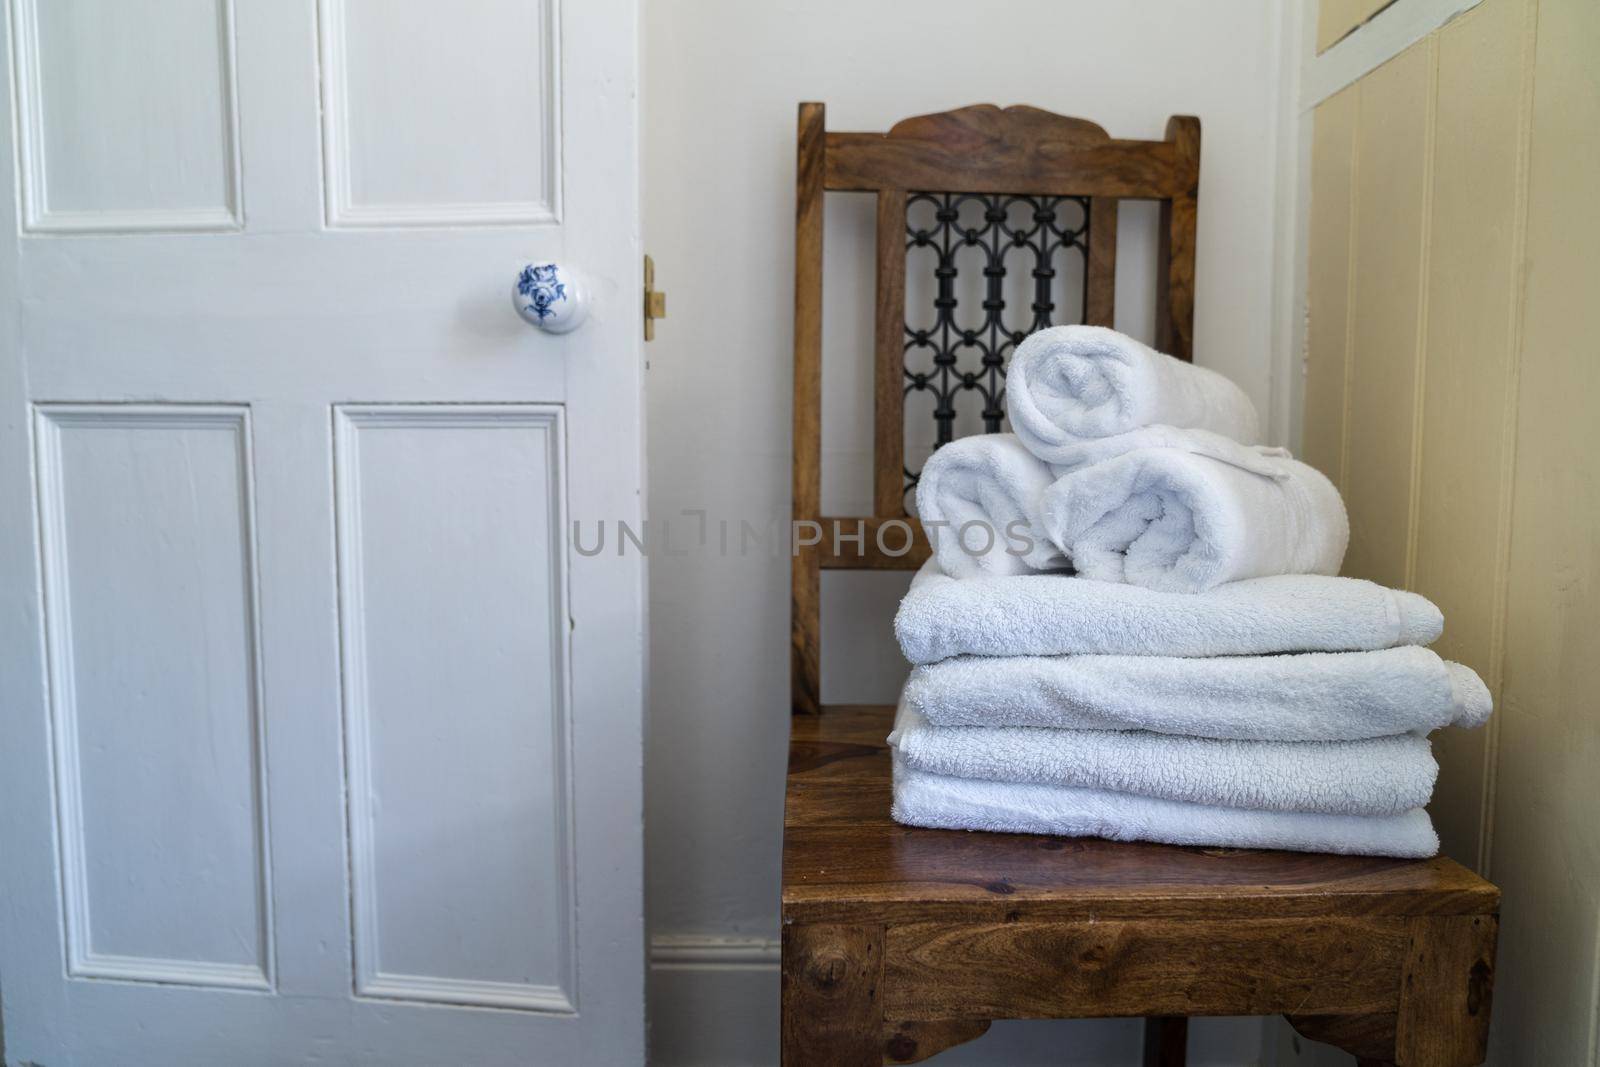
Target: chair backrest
997 158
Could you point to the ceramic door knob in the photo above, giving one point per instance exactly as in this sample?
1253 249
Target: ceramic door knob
551 297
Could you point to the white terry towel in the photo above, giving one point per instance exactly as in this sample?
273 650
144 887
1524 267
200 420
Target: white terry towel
1058 615
1066 383
1185 520
978 498
1092 450
1373 776
935 800
1313 696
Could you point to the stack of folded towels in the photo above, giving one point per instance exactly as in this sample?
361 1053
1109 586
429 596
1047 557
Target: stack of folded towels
1202 678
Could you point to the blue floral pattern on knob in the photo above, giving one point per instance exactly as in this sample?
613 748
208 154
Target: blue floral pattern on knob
541 286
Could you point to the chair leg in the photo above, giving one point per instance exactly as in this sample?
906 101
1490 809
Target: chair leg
831 1008
1446 991
1166 1041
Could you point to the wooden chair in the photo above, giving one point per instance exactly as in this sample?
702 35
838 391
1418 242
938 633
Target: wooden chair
900 942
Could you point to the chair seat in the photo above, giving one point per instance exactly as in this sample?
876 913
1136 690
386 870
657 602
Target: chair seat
846 861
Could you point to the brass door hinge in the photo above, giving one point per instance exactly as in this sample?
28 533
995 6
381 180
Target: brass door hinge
655 303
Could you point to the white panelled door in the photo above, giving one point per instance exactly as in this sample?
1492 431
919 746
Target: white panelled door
320 743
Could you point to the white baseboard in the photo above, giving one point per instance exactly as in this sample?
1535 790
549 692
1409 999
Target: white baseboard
714 1003
709 951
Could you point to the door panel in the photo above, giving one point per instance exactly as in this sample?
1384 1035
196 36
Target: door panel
116 139
149 591
456 731
316 731
396 91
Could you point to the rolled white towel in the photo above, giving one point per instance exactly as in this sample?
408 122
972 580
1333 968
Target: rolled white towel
1183 521
1092 450
1312 696
1372 776
942 802
1067 383
978 499
1057 615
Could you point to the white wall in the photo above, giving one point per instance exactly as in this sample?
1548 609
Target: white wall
722 78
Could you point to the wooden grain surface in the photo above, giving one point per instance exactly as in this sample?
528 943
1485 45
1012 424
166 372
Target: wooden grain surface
913 1042
1095 967
1100 268
986 149
831 1012
889 357
1176 253
805 642
1446 991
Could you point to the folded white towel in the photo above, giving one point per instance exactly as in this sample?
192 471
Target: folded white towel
1067 383
978 499
1313 696
1056 615
935 800
1185 520
1372 776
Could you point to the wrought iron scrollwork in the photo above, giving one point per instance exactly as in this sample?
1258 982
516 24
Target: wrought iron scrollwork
971 358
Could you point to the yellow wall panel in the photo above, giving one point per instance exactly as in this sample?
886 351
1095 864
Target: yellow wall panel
1328 281
1546 843
1476 155
1464 483
1335 18
1391 195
